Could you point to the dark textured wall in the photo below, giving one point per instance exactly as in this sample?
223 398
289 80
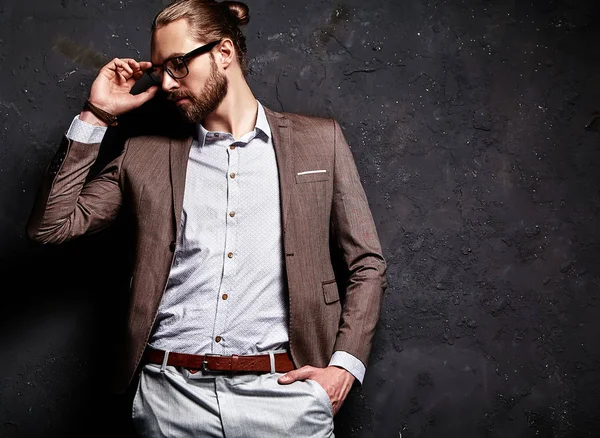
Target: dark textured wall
474 128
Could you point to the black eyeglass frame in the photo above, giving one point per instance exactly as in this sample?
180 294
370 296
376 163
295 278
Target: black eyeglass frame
184 59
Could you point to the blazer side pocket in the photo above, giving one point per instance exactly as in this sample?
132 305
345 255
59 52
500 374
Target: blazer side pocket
330 291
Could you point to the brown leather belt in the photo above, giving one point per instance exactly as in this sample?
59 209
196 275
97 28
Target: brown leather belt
214 362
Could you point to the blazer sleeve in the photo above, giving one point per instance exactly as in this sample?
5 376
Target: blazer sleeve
354 230
66 206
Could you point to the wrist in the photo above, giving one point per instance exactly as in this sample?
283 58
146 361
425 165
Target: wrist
89 117
100 114
343 371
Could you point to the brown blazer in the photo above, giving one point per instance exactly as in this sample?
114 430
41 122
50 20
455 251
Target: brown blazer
317 208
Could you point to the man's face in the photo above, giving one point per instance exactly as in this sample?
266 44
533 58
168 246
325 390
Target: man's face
204 88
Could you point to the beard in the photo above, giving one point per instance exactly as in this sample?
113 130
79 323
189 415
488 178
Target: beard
212 94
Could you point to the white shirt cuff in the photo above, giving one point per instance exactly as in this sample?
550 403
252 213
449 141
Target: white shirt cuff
350 363
84 132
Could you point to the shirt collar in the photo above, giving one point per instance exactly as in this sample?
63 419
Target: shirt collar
261 126
261 121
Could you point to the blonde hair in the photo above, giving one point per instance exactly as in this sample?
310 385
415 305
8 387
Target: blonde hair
209 21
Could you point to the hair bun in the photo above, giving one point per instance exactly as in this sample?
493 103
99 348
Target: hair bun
239 10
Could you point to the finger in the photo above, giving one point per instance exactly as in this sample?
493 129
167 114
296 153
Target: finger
145 96
128 61
125 70
302 373
137 75
336 408
136 66
119 66
118 63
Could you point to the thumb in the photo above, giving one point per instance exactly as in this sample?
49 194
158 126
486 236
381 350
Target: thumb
145 96
302 373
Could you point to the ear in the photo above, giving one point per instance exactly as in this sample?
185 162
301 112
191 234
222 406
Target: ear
225 55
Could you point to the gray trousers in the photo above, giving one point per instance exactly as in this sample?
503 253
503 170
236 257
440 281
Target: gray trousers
173 402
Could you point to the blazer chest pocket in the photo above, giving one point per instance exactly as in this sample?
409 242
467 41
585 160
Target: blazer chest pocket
308 176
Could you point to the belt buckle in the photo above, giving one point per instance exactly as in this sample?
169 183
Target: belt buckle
205 362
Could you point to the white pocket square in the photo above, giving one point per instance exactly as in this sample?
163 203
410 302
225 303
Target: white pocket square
306 172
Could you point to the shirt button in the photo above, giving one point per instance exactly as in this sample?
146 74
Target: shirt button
232 213
232 175
218 338
216 134
230 255
225 296
232 147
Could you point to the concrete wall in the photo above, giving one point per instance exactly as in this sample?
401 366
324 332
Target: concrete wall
475 129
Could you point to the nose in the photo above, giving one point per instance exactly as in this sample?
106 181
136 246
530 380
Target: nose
168 83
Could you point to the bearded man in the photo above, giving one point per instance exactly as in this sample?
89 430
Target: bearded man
236 325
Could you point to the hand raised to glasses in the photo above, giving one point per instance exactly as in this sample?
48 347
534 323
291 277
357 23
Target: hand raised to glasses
110 90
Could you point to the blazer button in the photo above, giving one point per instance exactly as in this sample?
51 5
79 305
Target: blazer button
172 246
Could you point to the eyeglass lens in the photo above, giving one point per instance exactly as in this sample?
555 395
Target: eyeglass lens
176 67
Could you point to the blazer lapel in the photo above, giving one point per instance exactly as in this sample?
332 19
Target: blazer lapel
281 132
178 156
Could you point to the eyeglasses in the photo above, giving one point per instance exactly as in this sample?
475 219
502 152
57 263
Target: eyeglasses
177 67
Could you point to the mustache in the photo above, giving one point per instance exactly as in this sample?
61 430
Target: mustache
173 97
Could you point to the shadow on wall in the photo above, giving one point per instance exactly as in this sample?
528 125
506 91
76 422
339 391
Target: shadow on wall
59 334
